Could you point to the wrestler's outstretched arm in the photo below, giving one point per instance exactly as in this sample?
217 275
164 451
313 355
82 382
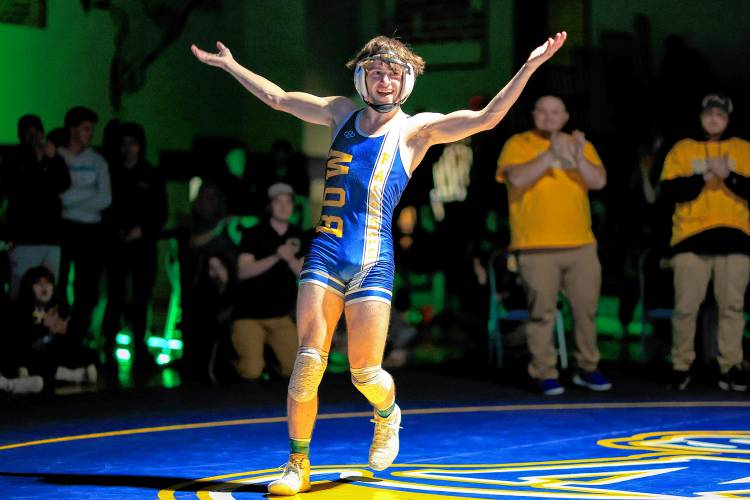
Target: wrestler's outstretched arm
310 108
434 128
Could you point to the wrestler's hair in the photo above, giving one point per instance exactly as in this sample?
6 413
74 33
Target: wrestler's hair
386 45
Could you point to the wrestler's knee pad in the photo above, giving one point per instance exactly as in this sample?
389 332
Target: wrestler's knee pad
307 373
372 381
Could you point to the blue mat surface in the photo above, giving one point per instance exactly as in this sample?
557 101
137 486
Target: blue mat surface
594 450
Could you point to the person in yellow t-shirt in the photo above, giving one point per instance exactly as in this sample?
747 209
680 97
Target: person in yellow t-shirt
707 180
548 174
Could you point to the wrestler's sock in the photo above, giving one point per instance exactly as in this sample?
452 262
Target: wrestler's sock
299 446
387 412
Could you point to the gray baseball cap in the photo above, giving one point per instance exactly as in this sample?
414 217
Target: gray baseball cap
279 188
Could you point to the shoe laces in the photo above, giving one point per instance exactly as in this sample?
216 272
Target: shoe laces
384 430
293 466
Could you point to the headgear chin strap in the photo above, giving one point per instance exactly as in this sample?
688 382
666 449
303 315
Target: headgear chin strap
407 80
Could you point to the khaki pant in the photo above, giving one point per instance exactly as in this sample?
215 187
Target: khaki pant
577 273
692 273
249 337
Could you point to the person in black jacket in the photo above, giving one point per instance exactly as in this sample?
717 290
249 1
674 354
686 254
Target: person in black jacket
33 177
136 217
707 181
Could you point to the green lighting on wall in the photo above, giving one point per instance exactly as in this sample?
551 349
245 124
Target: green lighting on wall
162 343
174 344
427 219
414 317
71 279
236 224
236 162
170 378
156 342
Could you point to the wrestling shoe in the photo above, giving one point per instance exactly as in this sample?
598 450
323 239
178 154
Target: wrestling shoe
295 478
384 446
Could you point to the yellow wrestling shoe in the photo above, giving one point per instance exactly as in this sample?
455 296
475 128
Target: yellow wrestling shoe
295 478
384 448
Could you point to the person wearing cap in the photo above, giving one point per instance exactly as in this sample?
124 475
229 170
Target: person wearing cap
706 179
549 174
349 268
268 265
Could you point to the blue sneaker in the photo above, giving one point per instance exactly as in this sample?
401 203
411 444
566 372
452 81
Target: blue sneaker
592 380
551 387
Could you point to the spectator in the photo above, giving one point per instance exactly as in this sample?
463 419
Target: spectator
267 269
209 281
707 180
207 348
136 217
635 235
59 137
549 174
34 175
82 206
10 380
44 343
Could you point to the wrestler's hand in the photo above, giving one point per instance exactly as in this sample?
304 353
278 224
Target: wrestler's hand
221 59
540 54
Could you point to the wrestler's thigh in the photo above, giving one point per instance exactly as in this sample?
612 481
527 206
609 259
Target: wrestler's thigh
367 330
318 313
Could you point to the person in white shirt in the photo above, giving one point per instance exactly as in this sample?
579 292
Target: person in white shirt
82 206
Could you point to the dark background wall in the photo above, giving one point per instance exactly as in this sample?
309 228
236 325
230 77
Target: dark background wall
302 44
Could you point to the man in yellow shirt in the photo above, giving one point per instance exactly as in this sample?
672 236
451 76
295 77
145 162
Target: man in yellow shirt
548 174
707 181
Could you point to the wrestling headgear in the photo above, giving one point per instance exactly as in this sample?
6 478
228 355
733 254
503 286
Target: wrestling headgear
407 80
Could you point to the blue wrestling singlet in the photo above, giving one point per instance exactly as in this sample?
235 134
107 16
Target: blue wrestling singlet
352 254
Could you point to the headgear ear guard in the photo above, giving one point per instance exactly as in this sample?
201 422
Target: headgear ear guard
407 80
